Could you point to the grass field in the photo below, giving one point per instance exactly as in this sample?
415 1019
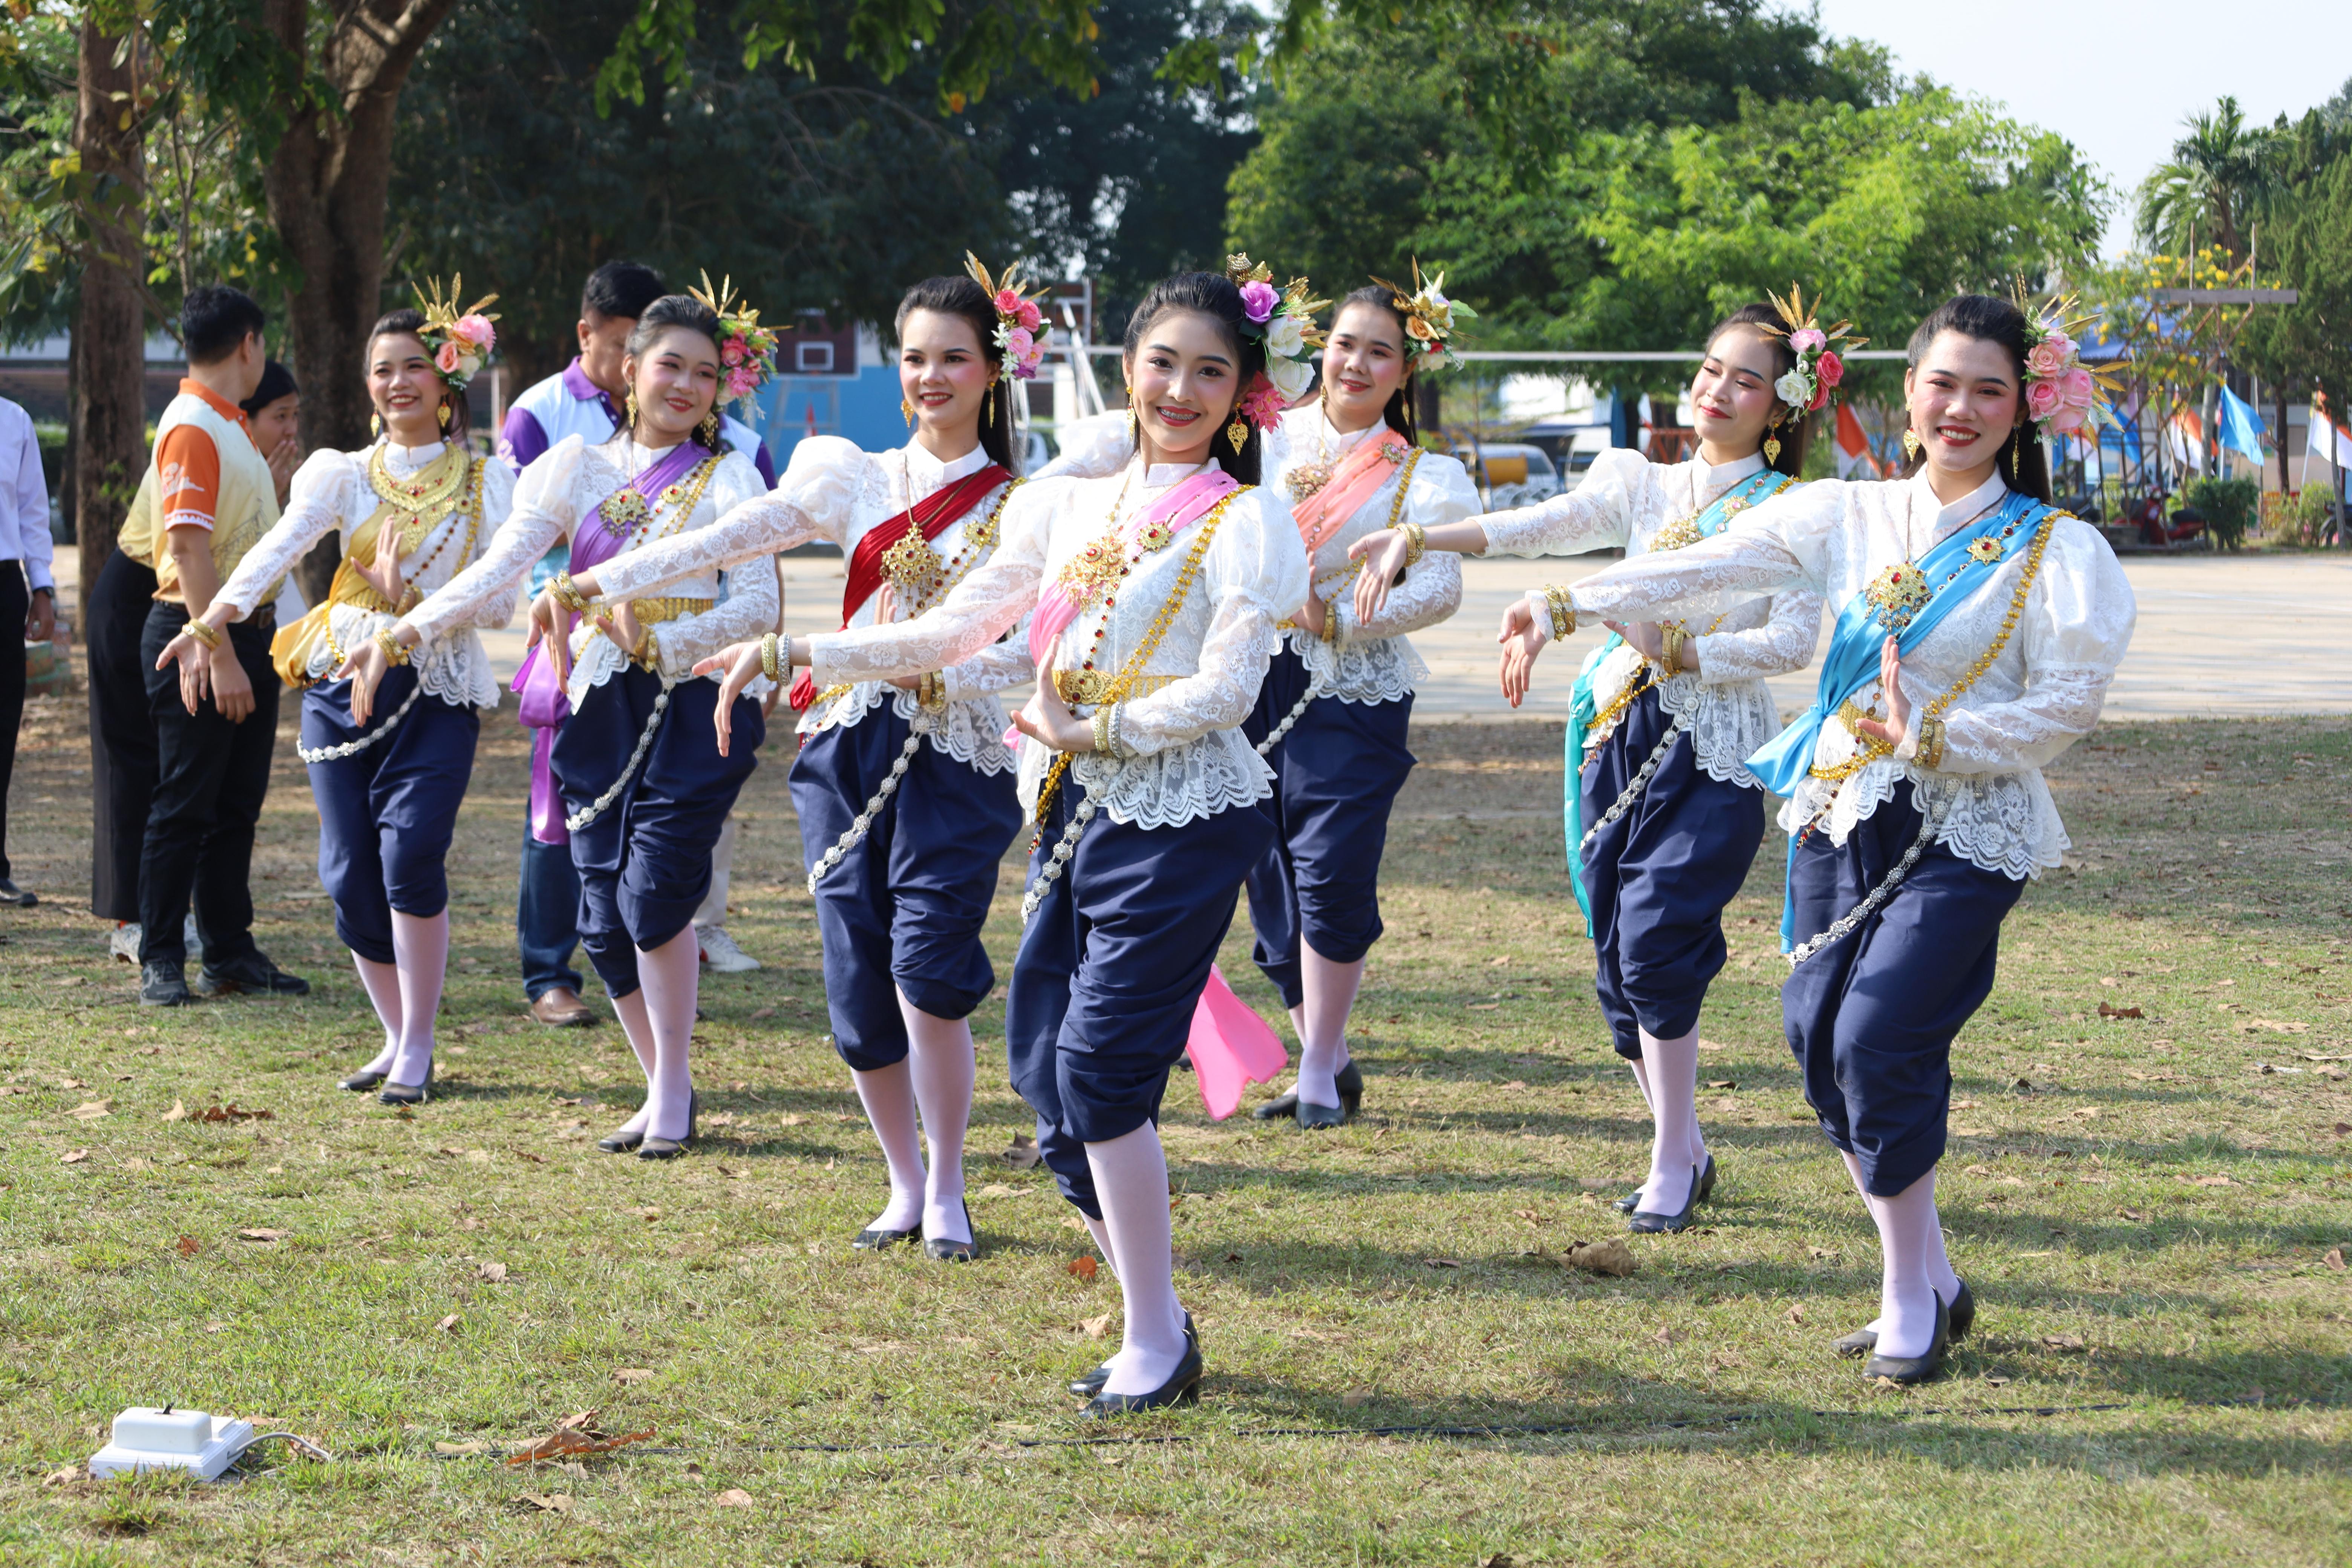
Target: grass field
2151 1207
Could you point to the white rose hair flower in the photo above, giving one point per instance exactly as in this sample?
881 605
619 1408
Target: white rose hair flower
1283 322
460 341
1818 370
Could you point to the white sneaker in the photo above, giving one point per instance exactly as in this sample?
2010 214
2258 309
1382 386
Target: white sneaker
720 953
123 943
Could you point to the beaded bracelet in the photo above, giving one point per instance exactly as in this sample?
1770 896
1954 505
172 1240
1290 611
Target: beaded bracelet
394 650
203 633
1563 612
770 666
567 594
1102 724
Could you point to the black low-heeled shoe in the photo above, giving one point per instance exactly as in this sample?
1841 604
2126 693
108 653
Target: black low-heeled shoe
1311 1117
1182 1387
1910 1369
1643 1222
1086 1387
1705 1190
1962 1310
652 1148
362 1080
621 1142
875 1239
1348 1080
406 1094
955 1251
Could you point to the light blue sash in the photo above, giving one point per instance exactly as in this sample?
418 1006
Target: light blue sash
1583 706
1952 575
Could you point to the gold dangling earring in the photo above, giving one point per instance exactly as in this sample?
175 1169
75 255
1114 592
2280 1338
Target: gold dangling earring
375 425
906 412
632 408
444 418
710 428
1236 433
988 404
1911 443
1772 443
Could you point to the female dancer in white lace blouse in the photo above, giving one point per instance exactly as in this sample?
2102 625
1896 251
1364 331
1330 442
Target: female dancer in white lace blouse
904 788
1663 816
411 512
1978 631
642 791
1156 592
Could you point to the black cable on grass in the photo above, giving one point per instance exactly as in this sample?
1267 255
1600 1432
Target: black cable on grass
1543 1429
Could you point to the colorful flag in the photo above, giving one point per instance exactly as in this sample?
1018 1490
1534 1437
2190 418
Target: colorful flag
1853 446
2241 428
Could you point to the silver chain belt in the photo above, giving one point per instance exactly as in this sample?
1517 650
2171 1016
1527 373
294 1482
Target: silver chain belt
1928 822
353 748
1632 791
857 832
603 802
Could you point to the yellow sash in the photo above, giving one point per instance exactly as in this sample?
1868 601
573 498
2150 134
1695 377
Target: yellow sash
290 650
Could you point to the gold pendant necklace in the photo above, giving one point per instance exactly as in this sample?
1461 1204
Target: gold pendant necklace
1309 478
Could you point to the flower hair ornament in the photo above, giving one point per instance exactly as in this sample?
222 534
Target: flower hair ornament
747 351
1429 318
1808 385
1020 324
460 341
1285 322
2061 395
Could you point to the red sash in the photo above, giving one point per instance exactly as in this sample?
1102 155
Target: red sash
934 514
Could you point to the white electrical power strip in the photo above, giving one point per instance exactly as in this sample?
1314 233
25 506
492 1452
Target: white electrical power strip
170 1439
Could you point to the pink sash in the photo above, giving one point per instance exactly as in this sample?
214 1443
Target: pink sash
1231 1047
1361 472
545 704
1184 505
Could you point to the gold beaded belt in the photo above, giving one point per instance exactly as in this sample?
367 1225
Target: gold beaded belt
650 610
1080 688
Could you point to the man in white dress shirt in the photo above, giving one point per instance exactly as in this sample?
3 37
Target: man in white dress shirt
27 596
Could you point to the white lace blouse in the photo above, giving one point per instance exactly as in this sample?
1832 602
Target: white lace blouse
2037 698
835 490
561 491
1371 661
1626 501
331 494
1183 754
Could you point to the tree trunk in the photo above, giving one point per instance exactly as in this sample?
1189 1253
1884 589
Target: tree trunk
327 186
107 374
2278 392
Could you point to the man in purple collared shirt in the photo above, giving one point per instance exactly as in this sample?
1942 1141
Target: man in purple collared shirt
584 399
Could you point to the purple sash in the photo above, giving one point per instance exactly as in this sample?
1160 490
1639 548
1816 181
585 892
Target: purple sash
545 704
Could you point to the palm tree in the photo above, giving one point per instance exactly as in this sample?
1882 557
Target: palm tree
2213 186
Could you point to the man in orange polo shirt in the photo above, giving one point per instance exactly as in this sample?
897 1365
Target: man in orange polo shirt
207 498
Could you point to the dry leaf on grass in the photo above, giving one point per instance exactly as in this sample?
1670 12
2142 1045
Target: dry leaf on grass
1666 1337
2334 1258
625 1374
1722 1083
73 1156
995 1190
187 1246
493 1273
231 1113
461 1449
2063 1341
1024 1153
1097 1328
90 1111
63 1478
448 1325
564 1445
1082 1267
759 1013
556 1503
2208 1181
1355 1398
2108 1011
1441 1263
1795 1315
733 1496
1612 1256
2135 1215
179 1112
259 1233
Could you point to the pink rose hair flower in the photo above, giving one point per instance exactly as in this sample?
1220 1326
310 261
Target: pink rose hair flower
1830 369
1259 300
1805 338
475 328
2042 399
446 358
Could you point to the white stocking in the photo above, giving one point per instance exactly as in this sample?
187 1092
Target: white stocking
1641 1083
888 1096
420 946
1939 1264
1675 1149
1130 1176
1329 992
669 974
1101 1233
383 983
939 1051
638 1028
1907 1296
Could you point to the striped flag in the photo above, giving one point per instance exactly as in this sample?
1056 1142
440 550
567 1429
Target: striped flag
1854 454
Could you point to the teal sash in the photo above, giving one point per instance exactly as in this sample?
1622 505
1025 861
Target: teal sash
1951 575
1583 706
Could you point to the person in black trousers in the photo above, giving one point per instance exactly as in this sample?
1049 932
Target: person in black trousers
27 596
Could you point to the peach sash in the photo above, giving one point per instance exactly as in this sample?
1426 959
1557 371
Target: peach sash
1361 472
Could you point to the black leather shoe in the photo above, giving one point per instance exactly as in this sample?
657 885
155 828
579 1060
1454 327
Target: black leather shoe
1644 1223
1348 1080
652 1148
955 1251
163 983
1310 1117
1963 1313
391 1093
362 1080
1629 1203
1182 1387
253 975
1092 1384
621 1142
875 1239
1911 1368
1705 1182
12 894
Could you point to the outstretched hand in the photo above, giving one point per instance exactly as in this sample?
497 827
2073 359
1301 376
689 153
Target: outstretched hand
1895 728
365 667
1383 555
1046 718
550 624
740 661
1523 636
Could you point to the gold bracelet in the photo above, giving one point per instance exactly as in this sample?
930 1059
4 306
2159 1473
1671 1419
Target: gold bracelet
1563 614
1670 649
1102 727
1416 542
768 665
395 651
1931 743
931 690
567 594
207 635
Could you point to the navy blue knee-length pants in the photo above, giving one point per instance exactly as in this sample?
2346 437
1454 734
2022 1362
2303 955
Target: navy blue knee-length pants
386 814
1659 877
1871 1016
1110 970
903 911
1337 774
644 863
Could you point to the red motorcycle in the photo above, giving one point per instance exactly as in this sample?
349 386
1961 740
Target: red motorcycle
2158 531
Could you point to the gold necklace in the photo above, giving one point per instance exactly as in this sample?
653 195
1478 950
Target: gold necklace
423 500
1309 478
1093 571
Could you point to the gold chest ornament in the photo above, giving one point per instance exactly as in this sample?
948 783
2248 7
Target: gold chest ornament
1898 594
